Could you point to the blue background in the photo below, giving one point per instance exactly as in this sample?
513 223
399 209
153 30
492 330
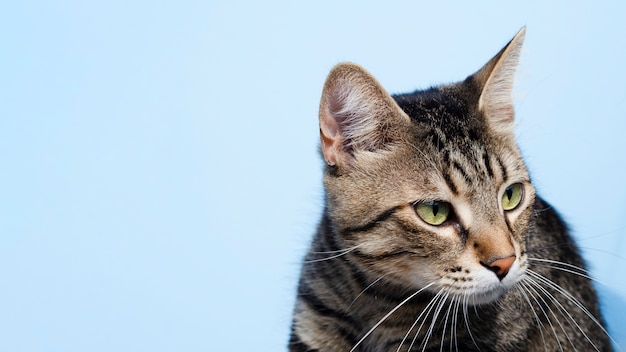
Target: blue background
160 179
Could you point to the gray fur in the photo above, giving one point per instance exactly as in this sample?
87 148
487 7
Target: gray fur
378 277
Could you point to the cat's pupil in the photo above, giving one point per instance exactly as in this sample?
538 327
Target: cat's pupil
435 208
509 193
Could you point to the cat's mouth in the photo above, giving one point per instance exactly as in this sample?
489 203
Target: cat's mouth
475 295
486 296
481 287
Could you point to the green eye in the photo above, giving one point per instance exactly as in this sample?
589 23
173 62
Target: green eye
512 196
434 213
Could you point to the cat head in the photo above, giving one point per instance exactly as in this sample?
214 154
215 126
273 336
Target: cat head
429 188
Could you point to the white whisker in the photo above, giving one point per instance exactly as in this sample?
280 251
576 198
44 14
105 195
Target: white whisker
572 266
426 311
362 292
537 294
522 289
558 304
466 318
612 254
388 315
340 253
572 299
455 323
569 271
445 325
425 156
434 319
436 302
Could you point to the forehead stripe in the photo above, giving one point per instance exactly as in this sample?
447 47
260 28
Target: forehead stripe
370 225
502 168
487 162
450 183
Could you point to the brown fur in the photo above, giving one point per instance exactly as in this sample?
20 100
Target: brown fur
378 277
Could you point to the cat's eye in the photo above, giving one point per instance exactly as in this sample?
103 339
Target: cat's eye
433 213
512 196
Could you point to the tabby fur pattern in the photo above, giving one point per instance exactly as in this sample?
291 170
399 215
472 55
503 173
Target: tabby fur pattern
490 267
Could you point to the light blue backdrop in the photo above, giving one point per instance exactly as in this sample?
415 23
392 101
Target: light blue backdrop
159 174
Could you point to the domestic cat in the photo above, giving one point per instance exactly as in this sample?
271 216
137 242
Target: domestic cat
432 236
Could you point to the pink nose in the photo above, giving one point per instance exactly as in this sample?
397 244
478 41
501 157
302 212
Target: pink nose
500 266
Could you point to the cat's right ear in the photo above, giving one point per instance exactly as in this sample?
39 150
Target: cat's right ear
496 80
356 114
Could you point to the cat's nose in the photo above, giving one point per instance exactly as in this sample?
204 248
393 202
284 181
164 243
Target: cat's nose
500 266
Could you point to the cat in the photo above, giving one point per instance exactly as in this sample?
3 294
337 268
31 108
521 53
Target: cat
432 237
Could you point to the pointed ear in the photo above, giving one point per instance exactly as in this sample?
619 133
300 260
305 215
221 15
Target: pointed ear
496 80
356 114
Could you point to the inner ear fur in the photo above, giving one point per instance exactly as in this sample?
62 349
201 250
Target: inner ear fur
356 114
496 79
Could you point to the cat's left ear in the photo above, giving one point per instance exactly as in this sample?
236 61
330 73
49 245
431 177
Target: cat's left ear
356 115
496 80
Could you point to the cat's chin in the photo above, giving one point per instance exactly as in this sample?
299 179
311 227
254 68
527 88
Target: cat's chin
493 293
486 297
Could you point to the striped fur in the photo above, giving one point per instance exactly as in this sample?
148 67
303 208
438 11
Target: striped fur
378 277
